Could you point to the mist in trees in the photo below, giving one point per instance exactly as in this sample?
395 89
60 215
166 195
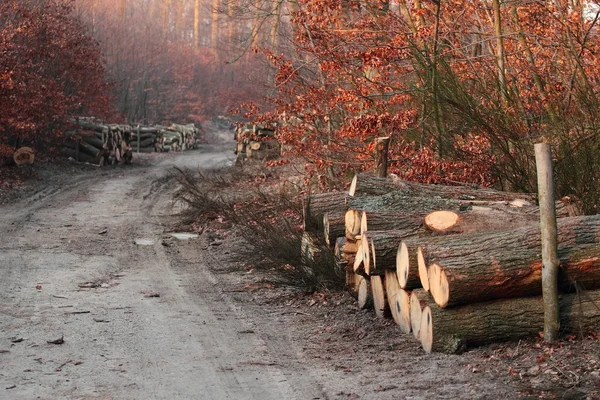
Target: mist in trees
178 60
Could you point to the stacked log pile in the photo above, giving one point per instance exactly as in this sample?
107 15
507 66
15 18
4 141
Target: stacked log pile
256 141
454 265
97 142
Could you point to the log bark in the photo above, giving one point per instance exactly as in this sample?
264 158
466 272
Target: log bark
479 219
417 197
365 184
419 298
479 267
90 126
147 142
334 226
317 205
454 329
92 140
345 246
384 246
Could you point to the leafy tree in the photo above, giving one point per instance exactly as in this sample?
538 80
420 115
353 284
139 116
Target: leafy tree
50 70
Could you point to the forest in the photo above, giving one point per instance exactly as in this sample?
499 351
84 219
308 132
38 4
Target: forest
463 88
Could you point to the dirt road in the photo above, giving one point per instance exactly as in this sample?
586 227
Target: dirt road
136 324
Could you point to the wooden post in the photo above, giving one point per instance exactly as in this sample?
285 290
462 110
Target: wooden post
138 139
382 146
77 150
550 261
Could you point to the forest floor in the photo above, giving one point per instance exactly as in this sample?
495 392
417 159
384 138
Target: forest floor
86 313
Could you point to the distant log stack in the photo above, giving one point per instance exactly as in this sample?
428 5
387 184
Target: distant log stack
99 143
256 142
456 266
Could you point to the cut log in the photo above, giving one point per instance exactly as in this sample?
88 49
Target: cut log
479 267
403 203
390 220
90 126
353 224
391 289
398 301
82 156
147 142
24 155
345 246
147 149
385 246
92 140
255 145
365 300
378 293
452 330
334 226
89 149
411 267
480 219
365 184
417 197
419 298
317 205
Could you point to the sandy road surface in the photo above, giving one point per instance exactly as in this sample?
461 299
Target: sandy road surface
95 288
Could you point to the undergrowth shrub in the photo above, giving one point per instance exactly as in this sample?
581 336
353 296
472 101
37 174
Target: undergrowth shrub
270 222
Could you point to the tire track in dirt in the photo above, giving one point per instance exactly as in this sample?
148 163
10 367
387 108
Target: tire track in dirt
131 326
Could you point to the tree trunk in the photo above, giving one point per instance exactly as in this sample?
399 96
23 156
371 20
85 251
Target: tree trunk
454 329
390 220
382 147
550 261
480 219
398 301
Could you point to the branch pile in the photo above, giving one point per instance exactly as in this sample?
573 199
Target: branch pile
456 266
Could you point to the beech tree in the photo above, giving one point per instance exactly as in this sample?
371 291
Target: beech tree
50 70
464 89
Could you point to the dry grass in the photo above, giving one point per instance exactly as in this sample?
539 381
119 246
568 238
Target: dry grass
269 222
